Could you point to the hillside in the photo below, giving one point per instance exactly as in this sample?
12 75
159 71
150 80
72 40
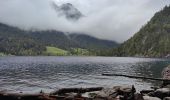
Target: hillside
153 39
63 41
90 42
53 38
14 41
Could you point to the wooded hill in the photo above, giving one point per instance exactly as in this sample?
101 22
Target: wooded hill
153 39
15 41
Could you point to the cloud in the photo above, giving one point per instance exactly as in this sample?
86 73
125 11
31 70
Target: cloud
107 19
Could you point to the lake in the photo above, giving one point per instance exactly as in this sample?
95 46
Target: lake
33 74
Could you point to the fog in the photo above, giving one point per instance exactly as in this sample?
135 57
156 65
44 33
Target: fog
106 19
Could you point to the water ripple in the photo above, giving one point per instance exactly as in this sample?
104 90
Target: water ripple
28 74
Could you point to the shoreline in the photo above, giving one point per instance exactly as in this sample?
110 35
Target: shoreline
94 93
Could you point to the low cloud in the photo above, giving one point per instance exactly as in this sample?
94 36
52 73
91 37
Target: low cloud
107 19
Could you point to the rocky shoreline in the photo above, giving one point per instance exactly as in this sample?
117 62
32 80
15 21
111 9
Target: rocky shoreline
97 93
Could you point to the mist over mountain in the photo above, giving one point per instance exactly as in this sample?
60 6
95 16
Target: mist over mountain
106 19
15 41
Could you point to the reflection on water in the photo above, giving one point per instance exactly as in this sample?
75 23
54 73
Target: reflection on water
50 73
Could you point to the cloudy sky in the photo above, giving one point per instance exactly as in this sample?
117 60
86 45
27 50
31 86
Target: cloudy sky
107 19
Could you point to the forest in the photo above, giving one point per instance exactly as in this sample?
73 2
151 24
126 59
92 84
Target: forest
14 41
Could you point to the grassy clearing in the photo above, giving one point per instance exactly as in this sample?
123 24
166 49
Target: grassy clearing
79 51
2 54
53 51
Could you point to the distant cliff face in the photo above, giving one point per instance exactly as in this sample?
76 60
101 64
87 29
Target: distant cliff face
67 10
153 39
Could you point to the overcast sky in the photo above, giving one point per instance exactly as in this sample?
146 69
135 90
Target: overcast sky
107 19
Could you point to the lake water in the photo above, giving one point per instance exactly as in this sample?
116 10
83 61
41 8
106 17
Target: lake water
32 74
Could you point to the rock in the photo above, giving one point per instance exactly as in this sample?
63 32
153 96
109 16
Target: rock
124 92
150 98
127 92
138 96
167 56
146 91
92 95
105 93
166 98
166 75
155 87
127 89
70 95
151 94
162 92
167 86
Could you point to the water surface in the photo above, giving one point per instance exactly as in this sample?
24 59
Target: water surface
32 74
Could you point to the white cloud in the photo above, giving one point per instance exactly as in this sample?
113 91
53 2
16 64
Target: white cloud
108 19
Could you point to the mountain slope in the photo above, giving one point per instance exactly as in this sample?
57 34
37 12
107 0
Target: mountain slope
13 41
153 39
60 40
18 42
54 38
90 42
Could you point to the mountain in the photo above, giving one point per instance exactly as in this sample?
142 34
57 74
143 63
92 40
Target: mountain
63 41
90 42
67 10
15 41
54 38
153 39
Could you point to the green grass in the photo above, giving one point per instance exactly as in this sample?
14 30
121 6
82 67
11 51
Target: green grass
53 51
2 54
79 51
